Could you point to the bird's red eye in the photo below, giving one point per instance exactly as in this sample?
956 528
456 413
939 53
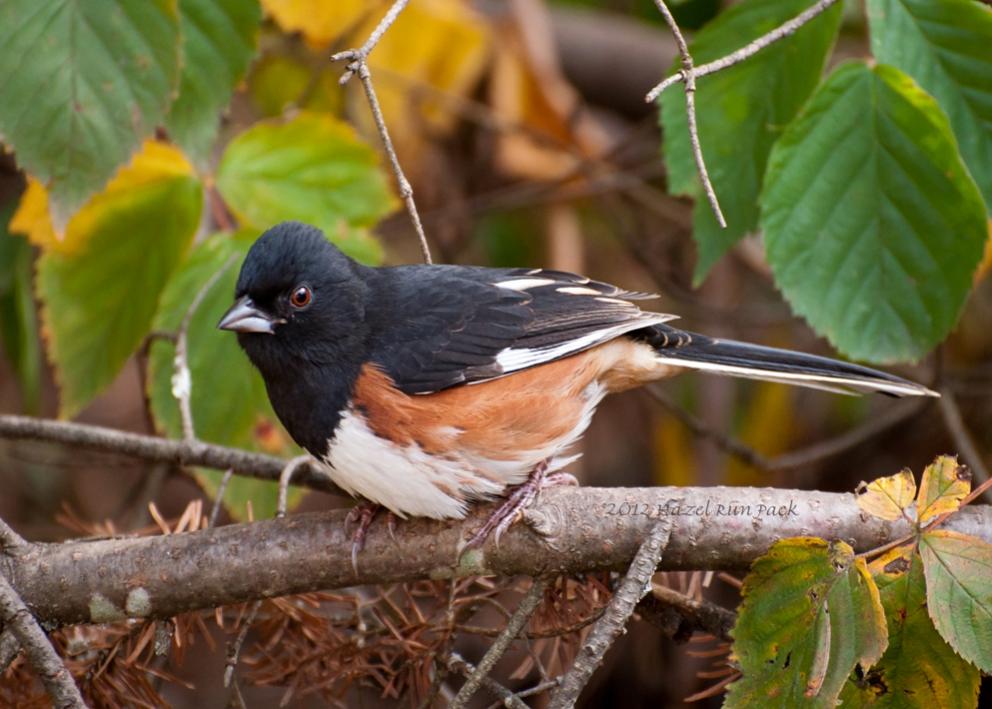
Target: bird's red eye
301 297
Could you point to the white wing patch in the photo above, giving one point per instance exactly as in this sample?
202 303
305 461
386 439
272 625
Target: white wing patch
511 359
523 283
577 290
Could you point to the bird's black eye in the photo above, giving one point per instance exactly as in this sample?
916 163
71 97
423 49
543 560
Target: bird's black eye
301 297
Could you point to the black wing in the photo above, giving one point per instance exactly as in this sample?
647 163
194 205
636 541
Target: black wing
439 326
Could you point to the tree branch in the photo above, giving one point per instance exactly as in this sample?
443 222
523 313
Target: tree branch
161 450
585 529
42 656
608 628
747 51
358 64
689 76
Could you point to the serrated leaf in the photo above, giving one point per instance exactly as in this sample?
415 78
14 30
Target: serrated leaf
889 497
958 568
218 42
312 168
944 46
228 399
944 485
810 614
873 226
741 111
320 21
18 324
83 83
99 287
918 669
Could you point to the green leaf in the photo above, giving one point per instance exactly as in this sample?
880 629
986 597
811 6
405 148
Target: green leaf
228 398
99 301
873 226
810 613
312 168
959 592
82 84
218 41
741 111
945 47
18 324
918 669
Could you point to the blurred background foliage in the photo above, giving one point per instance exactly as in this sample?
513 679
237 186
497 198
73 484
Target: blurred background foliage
150 142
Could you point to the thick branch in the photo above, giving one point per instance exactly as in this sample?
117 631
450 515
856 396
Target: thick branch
590 529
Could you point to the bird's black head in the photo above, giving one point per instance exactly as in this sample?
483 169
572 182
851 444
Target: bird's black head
299 301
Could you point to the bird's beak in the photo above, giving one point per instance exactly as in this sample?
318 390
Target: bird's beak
245 316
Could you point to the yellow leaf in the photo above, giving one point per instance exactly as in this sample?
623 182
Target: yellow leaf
320 21
888 498
893 563
436 48
155 162
945 483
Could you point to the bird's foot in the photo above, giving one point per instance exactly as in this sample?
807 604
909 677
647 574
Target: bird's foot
516 502
362 515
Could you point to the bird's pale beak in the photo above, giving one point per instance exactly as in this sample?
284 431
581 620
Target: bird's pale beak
245 316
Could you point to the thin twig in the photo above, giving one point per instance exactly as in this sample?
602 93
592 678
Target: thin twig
182 380
784 30
39 650
358 64
153 448
285 477
802 457
689 74
514 625
358 56
219 497
959 433
234 649
702 614
602 636
507 698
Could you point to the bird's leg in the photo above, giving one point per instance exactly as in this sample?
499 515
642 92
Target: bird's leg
517 501
362 514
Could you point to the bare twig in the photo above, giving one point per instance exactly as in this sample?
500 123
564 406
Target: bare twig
514 625
358 64
43 657
182 380
285 477
959 433
234 649
802 457
153 448
602 636
747 51
689 74
701 615
219 497
459 664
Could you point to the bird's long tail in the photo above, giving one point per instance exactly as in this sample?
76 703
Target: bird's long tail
740 359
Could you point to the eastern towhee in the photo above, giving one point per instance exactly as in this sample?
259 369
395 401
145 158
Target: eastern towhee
425 388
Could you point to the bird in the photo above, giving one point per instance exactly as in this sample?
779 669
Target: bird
426 389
